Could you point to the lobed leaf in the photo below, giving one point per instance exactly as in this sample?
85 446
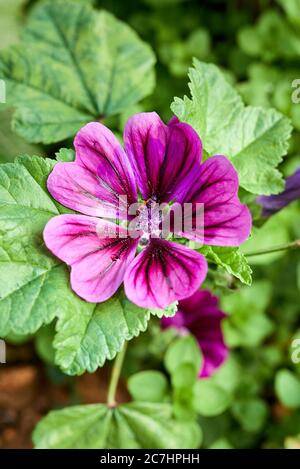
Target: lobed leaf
75 65
134 425
253 138
85 341
231 259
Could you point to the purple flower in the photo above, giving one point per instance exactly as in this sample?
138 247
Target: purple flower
273 203
200 315
159 164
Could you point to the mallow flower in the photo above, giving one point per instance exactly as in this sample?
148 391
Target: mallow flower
271 204
159 164
201 316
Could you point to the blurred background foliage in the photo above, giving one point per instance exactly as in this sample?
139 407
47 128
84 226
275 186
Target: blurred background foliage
254 399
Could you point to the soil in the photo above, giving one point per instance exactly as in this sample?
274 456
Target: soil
29 389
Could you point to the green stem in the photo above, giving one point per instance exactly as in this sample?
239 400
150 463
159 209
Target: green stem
115 375
282 247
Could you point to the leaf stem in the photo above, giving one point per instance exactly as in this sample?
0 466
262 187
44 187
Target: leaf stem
281 247
115 376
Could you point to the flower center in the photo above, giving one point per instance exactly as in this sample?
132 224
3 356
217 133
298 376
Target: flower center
149 221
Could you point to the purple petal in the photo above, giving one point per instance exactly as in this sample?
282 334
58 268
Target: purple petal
273 203
227 222
100 174
98 260
174 120
201 316
166 158
163 273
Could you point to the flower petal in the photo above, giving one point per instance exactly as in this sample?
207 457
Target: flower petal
96 251
166 158
201 316
163 273
271 204
227 222
100 174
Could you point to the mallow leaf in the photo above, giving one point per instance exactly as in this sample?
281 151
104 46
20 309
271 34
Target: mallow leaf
292 9
253 138
183 350
65 155
12 144
210 399
231 259
133 425
251 413
30 274
35 285
248 325
10 21
43 342
74 65
84 342
271 38
168 312
183 379
148 386
287 388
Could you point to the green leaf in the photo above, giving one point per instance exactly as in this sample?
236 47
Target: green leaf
148 386
210 399
83 342
254 139
228 376
272 38
11 144
178 55
184 376
273 233
221 443
247 324
270 86
287 387
292 9
254 299
231 259
31 274
65 155
74 65
16 339
183 350
44 343
10 21
251 413
168 312
133 425
248 331
183 379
